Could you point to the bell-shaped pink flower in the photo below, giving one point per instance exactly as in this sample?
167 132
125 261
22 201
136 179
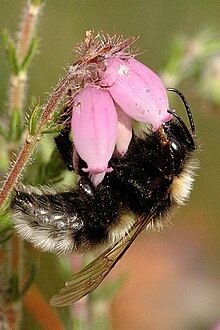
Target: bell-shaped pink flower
137 90
94 128
124 132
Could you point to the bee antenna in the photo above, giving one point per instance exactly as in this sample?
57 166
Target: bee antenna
190 138
187 107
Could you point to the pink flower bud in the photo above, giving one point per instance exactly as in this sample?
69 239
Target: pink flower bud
94 128
138 91
124 131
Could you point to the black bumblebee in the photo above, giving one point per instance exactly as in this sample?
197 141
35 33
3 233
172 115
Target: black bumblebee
155 175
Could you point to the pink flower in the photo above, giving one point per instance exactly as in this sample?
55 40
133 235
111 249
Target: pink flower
94 128
137 90
103 113
124 131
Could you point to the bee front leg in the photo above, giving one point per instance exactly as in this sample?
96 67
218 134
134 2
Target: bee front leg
65 147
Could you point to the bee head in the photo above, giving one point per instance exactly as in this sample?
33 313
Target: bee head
181 138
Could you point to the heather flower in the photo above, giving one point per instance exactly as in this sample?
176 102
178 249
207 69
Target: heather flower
137 90
94 128
117 89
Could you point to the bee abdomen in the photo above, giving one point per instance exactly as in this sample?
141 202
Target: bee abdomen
44 221
63 222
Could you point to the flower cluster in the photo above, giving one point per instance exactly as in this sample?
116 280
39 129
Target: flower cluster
102 115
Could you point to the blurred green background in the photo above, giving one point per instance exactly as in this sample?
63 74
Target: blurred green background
174 276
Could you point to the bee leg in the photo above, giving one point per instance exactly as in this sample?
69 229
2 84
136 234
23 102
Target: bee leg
167 156
68 154
65 147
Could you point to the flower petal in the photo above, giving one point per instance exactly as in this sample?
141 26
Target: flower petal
124 131
97 178
137 90
94 128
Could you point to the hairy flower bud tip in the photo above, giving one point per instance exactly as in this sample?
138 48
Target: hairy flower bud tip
137 90
94 128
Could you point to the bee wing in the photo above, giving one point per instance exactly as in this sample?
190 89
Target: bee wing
92 275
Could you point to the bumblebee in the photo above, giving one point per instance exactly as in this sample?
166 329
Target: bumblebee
147 183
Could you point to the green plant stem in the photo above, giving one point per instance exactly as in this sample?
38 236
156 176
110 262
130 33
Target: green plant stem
12 253
18 82
16 170
29 22
16 94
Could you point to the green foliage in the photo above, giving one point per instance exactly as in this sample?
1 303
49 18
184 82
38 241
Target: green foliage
34 119
3 132
37 2
32 51
15 292
52 171
10 51
5 226
9 47
29 281
16 127
187 56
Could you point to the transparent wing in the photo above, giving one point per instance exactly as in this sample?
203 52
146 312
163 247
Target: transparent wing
92 275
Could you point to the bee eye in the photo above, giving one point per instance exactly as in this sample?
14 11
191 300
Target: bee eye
178 150
175 145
